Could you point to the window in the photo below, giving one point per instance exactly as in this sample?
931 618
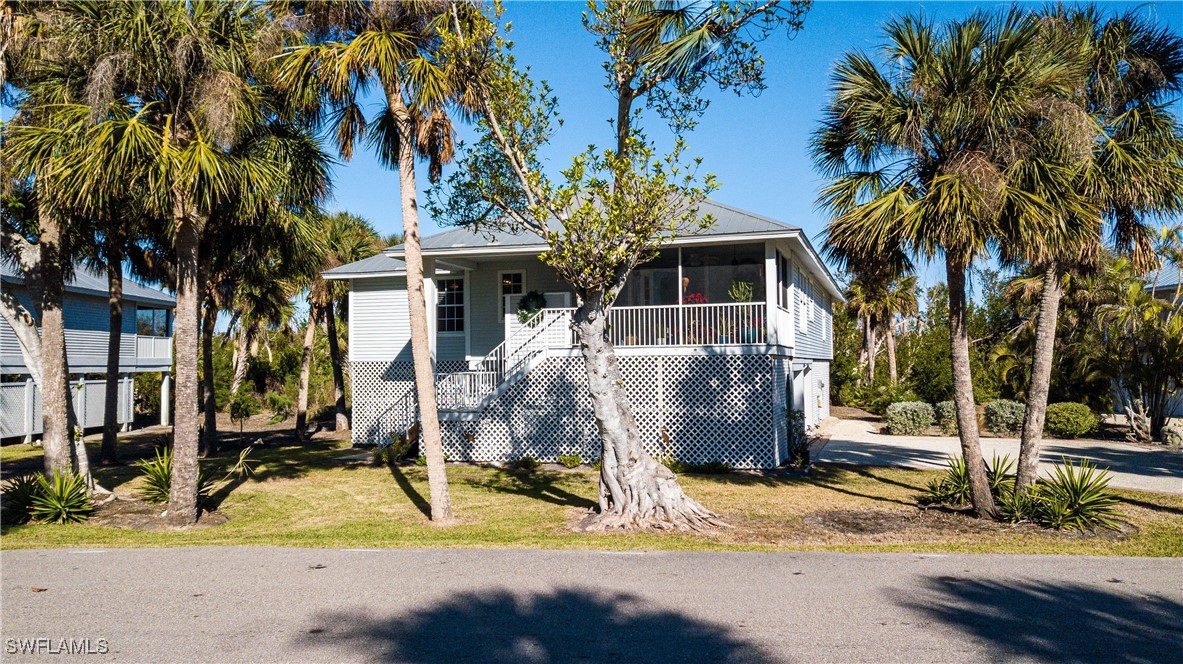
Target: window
450 305
802 302
152 322
511 283
782 280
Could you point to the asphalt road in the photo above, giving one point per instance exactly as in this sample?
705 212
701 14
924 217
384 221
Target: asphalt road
260 604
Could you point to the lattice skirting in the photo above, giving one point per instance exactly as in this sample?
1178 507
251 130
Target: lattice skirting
699 408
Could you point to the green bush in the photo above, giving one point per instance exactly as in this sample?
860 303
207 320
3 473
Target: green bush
953 487
280 405
526 463
242 407
570 460
946 414
1077 497
158 477
1005 416
18 496
908 418
64 499
1070 420
798 440
1172 434
877 398
421 460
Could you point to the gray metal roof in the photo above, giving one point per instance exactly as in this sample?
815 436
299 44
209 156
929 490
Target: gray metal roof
380 264
92 282
1166 278
728 221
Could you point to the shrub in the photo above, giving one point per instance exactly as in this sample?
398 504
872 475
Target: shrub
242 407
878 398
946 414
526 463
953 487
798 440
1005 416
18 496
1070 420
908 418
1076 496
1172 434
570 460
707 468
421 460
158 478
397 449
280 405
64 499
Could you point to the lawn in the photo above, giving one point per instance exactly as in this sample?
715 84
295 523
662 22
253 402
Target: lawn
312 496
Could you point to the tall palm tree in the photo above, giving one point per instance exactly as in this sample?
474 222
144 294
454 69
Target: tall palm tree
1135 146
192 127
392 46
920 149
899 299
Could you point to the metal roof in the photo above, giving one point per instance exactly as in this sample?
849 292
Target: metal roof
374 266
87 281
1166 278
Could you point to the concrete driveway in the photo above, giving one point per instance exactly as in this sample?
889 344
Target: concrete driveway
1132 466
308 605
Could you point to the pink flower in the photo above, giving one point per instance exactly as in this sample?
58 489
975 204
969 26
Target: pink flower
694 298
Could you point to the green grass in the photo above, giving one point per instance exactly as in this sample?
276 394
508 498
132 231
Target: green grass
310 497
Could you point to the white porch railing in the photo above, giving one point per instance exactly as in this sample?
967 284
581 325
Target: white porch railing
688 325
20 405
154 347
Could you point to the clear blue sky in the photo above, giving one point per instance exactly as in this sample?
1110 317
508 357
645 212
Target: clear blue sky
756 146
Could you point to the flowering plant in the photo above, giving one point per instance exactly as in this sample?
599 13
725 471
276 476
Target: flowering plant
694 298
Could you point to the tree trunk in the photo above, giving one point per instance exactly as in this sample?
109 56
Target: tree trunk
242 345
889 335
305 375
182 500
430 436
108 452
963 390
57 438
209 401
636 492
1041 375
342 420
870 341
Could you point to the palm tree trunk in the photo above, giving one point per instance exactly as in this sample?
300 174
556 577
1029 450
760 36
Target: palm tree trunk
305 374
963 390
242 345
209 401
182 499
342 420
870 340
889 336
108 452
55 392
429 424
1041 375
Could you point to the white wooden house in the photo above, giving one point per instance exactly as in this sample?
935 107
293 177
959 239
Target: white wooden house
145 346
717 337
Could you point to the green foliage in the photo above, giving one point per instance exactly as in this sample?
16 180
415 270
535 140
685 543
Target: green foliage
280 405
1075 497
18 496
908 418
953 488
64 499
1005 416
704 468
243 406
798 439
527 464
396 450
530 304
1070 420
157 473
946 415
741 291
147 393
570 460
421 460
878 397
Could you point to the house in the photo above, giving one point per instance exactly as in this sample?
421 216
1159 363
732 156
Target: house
146 346
718 337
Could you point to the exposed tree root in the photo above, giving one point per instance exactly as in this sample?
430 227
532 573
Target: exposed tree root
652 500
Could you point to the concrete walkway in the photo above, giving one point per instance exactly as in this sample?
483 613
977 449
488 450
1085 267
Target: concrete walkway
233 604
1132 466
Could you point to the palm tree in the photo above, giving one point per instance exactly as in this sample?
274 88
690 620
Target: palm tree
1135 174
391 45
187 123
899 299
861 301
920 148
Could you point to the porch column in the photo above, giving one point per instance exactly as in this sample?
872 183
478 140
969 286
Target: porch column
770 295
681 338
431 295
127 388
30 408
165 411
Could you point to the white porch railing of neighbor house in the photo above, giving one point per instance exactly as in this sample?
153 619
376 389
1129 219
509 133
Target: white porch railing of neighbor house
20 405
688 325
154 347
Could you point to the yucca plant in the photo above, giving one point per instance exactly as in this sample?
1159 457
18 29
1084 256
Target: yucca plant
157 473
19 493
952 488
1077 496
64 499
999 474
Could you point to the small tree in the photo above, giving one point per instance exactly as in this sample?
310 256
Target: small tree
613 208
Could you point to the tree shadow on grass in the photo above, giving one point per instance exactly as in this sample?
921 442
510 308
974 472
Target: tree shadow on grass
835 477
1058 621
404 483
563 625
539 485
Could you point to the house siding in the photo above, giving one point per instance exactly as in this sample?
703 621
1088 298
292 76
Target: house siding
485 314
380 327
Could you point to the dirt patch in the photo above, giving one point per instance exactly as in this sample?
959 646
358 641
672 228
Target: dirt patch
943 521
132 514
852 413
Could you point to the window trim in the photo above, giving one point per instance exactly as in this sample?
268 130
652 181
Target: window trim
463 306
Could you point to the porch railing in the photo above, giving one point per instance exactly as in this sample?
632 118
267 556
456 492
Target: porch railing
154 347
688 325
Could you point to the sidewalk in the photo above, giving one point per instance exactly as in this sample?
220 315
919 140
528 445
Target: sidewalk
1131 466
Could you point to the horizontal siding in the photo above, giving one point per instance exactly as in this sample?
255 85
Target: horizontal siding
814 342
380 327
449 347
485 314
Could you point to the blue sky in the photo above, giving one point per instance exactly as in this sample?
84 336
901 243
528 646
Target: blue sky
755 145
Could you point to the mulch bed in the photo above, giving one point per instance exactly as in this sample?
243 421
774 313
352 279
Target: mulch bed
942 521
134 514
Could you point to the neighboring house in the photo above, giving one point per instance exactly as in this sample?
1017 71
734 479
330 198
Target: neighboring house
1167 285
717 337
146 346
